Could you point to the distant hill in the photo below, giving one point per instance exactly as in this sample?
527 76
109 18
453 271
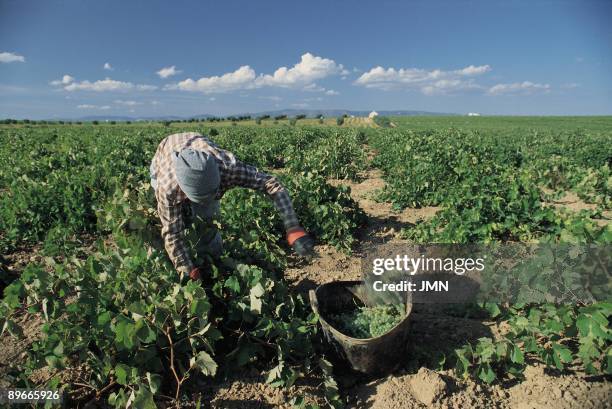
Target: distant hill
339 112
311 113
132 118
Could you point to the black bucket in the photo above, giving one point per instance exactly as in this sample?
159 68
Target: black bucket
375 356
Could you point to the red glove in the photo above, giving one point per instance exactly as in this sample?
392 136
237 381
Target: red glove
295 233
195 274
301 242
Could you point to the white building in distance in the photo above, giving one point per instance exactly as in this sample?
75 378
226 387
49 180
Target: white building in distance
373 114
473 114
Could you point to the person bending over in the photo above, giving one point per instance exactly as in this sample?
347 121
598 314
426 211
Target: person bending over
189 175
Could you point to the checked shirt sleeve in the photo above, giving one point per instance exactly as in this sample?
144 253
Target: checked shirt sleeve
248 176
172 226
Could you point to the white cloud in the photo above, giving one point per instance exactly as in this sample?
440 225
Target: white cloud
474 70
242 78
108 67
449 86
272 98
302 75
331 92
313 88
525 87
66 79
89 106
429 82
106 84
6 57
144 87
126 103
309 69
155 102
168 72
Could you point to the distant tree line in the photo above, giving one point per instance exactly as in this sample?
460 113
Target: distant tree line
166 122
9 121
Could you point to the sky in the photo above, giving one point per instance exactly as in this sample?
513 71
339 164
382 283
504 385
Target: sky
139 58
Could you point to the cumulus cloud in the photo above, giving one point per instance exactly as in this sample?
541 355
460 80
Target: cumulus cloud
242 78
66 79
6 57
302 75
168 72
108 67
525 87
309 69
474 70
429 82
107 84
331 92
89 106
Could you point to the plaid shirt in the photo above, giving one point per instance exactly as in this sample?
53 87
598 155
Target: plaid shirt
233 172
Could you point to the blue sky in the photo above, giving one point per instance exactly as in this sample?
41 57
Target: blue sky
145 58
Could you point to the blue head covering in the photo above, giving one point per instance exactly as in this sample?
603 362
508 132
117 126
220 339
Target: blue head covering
197 174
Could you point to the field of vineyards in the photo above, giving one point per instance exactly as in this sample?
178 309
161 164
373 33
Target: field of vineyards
92 306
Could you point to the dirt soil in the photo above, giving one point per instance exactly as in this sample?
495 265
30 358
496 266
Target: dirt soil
572 202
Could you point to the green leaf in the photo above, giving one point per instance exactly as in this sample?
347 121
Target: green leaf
517 355
121 373
486 374
275 373
104 318
59 349
144 332
233 284
492 309
255 294
205 363
561 355
137 309
200 307
144 398
155 382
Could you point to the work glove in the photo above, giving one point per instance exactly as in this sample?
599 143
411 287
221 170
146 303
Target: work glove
195 274
301 242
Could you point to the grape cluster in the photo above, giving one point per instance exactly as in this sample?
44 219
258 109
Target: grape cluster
368 322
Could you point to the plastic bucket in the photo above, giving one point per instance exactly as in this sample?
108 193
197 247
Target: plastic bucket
376 356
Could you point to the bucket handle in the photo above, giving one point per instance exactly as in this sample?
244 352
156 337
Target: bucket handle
314 304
